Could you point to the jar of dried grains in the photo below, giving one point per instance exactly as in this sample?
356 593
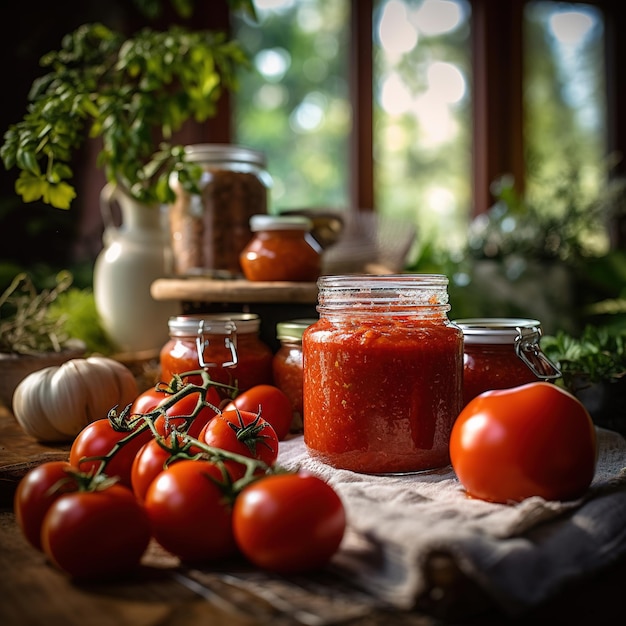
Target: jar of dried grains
210 230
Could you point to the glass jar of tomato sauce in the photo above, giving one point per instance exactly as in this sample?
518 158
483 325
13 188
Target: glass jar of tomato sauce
281 249
383 373
501 353
287 366
227 345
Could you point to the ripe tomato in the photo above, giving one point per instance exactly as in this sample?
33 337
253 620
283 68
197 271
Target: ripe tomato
190 513
273 404
98 439
533 440
36 492
149 462
96 534
150 399
185 406
244 433
289 523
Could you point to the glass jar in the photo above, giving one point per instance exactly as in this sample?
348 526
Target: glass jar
209 231
287 365
383 373
282 249
226 345
501 353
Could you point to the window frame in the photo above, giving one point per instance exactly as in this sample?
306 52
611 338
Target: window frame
497 109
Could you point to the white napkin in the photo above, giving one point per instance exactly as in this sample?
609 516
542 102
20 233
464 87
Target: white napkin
519 554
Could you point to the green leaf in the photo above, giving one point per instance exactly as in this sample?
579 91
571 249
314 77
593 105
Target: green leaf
60 196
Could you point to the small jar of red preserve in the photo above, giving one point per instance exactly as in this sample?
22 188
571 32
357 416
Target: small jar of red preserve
501 353
227 345
287 365
281 249
383 373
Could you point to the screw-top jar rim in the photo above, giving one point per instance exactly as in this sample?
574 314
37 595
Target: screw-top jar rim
292 330
498 330
218 153
280 222
391 294
217 324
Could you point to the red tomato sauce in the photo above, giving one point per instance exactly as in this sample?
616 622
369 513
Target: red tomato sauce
281 255
493 366
382 397
254 362
288 372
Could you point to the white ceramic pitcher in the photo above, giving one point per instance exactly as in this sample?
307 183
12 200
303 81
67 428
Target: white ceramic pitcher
134 255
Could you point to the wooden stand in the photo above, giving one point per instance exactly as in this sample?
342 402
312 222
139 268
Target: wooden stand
273 302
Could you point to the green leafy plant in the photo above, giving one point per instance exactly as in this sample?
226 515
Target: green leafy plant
598 354
77 308
565 223
131 93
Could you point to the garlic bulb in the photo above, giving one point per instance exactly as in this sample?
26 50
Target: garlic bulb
56 403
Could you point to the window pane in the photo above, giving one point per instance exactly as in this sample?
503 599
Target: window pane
564 96
422 131
294 103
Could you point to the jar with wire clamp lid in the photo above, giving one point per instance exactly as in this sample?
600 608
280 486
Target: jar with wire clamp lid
500 353
227 345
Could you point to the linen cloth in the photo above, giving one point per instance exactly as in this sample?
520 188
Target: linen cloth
519 554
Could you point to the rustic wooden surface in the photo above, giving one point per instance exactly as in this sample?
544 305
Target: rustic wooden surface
162 593
233 291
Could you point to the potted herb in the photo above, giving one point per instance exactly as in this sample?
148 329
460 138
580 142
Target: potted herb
593 367
32 336
131 92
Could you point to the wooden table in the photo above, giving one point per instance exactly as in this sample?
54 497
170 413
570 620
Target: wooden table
33 593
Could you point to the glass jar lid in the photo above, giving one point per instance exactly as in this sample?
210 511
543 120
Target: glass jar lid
280 222
498 330
216 324
220 153
292 330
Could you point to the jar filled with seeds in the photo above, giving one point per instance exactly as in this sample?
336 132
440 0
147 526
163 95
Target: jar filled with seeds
210 230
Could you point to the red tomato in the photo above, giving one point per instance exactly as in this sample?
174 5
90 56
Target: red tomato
190 515
152 398
148 464
96 534
244 433
289 523
148 401
271 402
36 492
184 407
533 440
98 439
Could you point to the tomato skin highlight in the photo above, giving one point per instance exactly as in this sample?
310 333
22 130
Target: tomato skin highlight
273 403
289 523
532 440
189 514
98 439
34 496
96 534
